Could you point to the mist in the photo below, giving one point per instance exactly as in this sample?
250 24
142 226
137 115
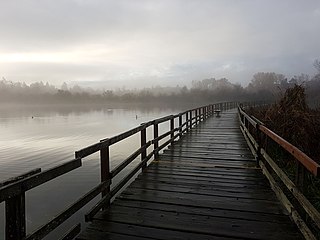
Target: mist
264 86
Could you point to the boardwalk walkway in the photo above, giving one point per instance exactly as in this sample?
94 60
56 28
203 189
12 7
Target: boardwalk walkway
206 186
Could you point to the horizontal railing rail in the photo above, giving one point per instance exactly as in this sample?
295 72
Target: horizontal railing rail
13 191
256 133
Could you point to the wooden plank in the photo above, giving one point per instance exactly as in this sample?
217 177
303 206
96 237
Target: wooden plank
206 211
203 201
165 166
211 165
199 224
203 176
205 158
116 230
213 179
174 188
211 150
211 184
193 195
207 152
215 146
200 172
209 156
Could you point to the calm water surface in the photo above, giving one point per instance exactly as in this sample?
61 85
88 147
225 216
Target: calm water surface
46 137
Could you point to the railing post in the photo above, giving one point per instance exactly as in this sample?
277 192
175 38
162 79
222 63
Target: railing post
299 176
202 113
143 141
187 121
191 119
155 141
172 129
105 168
180 126
259 142
15 217
197 116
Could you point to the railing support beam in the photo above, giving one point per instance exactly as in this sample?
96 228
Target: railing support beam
143 141
105 169
15 217
155 142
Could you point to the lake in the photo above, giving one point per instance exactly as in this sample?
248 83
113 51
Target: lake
46 136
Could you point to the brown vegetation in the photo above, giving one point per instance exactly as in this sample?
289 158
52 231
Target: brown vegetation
292 119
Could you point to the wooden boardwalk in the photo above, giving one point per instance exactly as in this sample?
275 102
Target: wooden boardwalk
206 186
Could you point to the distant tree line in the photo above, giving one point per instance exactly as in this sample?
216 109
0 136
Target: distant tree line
264 86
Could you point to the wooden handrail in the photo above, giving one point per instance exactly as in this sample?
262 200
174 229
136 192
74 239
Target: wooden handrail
23 185
303 158
20 177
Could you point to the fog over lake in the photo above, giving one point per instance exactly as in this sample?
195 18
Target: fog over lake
45 137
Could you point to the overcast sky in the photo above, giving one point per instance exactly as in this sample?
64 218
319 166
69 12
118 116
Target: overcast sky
149 42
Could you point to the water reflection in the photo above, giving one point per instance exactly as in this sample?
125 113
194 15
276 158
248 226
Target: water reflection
48 136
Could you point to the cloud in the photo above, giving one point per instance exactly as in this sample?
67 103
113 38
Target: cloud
126 40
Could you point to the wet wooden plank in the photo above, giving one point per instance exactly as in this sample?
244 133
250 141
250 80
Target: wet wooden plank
196 223
202 178
206 211
195 172
174 188
104 230
224 202
211 171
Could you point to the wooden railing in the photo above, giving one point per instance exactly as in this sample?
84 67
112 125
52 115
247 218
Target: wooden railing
13 191
257 135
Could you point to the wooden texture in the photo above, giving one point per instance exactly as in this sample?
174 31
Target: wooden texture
205 186
305 160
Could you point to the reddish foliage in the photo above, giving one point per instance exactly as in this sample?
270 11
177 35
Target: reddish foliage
292 119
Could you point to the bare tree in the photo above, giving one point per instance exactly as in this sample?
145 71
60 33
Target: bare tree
316 64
